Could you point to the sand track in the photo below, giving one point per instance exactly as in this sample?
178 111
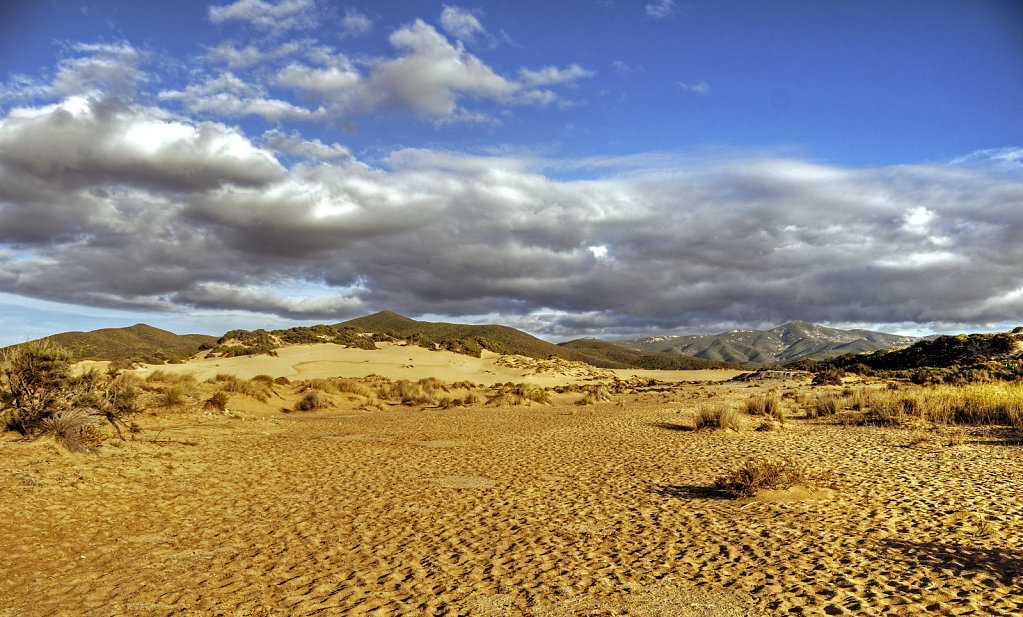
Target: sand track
541 511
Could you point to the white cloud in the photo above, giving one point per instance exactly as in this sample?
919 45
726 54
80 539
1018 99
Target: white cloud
660 9
293 143
355 23
235 57
460 23
229 96
553 75
700 88
428 76
283 15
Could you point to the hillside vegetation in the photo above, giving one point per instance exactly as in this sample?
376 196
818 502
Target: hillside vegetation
600 352
138 342
798 340
946 359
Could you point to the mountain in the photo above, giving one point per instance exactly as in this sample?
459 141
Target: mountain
510 340
138 341
798 340
601 353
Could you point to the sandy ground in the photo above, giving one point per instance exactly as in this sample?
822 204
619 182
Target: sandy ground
412 362
546 510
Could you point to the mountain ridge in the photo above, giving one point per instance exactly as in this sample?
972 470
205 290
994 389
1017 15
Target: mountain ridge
790 342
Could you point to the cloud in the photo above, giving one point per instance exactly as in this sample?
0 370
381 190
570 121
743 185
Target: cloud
553 75
460 23
700 88
429 77
234 57
116 198
661 9
229 96
355 23
196 215
283 15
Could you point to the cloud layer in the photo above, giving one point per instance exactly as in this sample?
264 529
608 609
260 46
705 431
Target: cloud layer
118 197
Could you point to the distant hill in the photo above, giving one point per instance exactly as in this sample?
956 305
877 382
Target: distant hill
510 340
600 352
945 359
798 340
139 341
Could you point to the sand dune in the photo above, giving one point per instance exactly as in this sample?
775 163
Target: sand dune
547 510
412 362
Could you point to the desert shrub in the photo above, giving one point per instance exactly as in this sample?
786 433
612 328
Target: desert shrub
66 428
282 381
349 386
173 395
719 415
258 390
267 379
533 392
410 393
830 376
323 385
754 476
313 399
118 403
34 384
764 405
472 398
827 404
587 399
218 401
432 384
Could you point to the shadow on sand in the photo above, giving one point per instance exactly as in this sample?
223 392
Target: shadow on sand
1003 565
672 427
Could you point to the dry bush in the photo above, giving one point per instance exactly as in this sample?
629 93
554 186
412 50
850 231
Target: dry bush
313 399
472 398
218 401
349 386
533 392
719 415
174 395
826 404
258 390
323 385
765 405
760 474
170 378
66 429
432 385
282 381
504 398
410 393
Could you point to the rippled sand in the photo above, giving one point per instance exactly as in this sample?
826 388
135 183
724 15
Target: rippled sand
557 510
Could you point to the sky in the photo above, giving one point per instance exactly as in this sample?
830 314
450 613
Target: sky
581 168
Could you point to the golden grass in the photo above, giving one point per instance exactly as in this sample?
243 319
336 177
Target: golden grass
719 415
756 475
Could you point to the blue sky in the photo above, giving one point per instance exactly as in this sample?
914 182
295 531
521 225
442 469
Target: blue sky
572 168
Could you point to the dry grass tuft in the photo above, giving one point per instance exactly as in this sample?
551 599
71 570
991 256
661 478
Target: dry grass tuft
313 399
760 474
719 415
66 429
